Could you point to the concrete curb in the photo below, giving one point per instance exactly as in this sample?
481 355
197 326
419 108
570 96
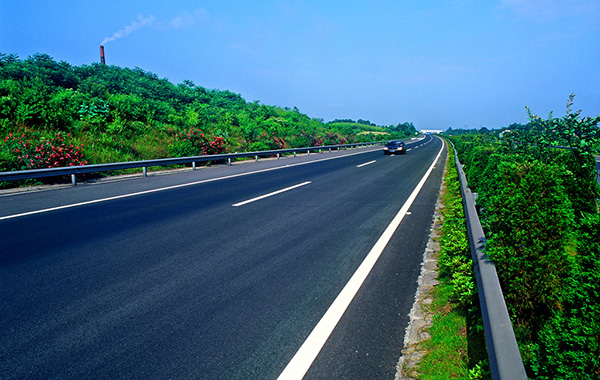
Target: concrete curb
420 317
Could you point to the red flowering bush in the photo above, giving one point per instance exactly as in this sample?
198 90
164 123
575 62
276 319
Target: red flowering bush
267 142
305 139
32 151
334 138
194 142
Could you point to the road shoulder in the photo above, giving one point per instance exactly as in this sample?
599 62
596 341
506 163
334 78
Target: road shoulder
420 316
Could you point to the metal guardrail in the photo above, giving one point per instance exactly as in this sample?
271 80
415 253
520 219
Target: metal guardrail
503 353
84 169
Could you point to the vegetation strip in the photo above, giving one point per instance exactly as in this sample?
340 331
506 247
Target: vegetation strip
448 343
539 208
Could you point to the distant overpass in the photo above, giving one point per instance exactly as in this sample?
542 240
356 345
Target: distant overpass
435 131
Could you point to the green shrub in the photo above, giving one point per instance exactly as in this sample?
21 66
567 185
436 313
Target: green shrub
194 142
455 260
569 343
457 342
529 221
539 209
265 141
31 150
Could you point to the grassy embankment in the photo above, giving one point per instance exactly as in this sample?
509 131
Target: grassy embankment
456 348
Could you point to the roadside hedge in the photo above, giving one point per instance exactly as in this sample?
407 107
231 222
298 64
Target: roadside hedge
539 209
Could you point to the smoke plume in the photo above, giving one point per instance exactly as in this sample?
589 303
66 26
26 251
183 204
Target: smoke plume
182 21
138 24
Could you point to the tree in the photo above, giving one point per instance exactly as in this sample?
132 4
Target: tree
581 136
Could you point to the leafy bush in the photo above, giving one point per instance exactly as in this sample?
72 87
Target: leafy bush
267 142
455 257
33 151
539 209
194 142
529 220
94 112
334 138
127 114
457 342
306 139
569 342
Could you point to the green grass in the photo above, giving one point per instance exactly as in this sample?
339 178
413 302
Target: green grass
447 350
456 348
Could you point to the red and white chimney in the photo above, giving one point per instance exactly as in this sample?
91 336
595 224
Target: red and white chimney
102 60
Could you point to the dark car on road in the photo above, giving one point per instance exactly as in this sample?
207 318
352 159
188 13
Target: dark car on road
394 147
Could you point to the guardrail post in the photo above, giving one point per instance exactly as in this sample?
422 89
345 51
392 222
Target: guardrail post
144 164
73 180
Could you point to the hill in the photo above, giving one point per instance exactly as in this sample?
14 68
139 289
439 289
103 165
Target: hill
56 114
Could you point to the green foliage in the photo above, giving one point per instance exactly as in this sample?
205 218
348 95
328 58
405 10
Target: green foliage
129 114
530 221
33 150
569 342
93 113
370 131
480 371
578 137
457 342
193 142
455 258
538 203
265 141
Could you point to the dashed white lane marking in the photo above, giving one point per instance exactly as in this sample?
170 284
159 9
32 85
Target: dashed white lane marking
306 355
271 194
168 188
366 163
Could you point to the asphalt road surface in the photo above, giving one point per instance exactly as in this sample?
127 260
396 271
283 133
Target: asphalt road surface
219 273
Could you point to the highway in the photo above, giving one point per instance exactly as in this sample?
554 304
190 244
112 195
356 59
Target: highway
219 273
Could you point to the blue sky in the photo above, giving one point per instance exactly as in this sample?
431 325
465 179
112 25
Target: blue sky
438 64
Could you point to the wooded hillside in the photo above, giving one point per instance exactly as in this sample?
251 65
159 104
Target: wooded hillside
55 114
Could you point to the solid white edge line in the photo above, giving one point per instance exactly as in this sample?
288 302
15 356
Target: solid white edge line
271 194
306 355
366 163
170 187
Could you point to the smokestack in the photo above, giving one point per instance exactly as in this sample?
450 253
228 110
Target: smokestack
102 60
